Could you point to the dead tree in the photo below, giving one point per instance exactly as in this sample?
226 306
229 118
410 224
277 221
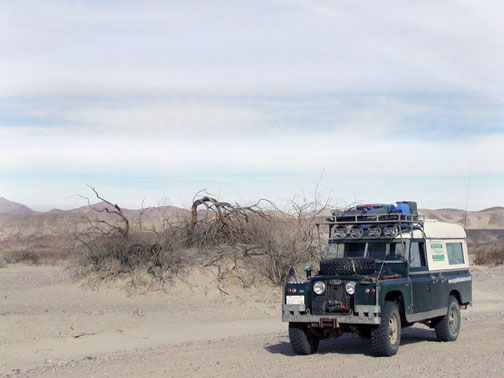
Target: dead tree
220 207
124 230
228 219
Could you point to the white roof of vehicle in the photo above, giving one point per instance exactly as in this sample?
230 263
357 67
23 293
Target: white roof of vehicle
439 230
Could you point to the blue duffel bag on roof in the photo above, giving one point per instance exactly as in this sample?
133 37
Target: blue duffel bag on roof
399 207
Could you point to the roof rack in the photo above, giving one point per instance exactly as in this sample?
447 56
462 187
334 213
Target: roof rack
372 222
370 219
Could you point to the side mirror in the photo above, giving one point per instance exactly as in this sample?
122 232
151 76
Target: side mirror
292 271
308 270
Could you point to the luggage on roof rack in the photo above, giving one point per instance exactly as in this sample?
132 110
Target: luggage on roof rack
401 211
406 208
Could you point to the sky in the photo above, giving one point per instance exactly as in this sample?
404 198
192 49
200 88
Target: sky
152 101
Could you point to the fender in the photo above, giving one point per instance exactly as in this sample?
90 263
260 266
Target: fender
399 289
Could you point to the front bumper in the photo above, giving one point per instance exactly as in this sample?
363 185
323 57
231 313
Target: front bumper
363 315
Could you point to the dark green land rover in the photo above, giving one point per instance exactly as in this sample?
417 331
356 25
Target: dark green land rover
384 268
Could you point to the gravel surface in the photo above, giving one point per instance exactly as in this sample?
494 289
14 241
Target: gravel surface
52 327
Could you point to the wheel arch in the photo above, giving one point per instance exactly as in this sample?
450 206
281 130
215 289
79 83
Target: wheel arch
396 296
455 293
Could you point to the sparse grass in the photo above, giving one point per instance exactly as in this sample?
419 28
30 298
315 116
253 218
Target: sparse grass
34 256
493 256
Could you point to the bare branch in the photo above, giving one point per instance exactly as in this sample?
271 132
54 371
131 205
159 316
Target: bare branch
124 230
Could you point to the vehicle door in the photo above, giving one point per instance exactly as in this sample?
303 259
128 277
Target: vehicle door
438 264
421 281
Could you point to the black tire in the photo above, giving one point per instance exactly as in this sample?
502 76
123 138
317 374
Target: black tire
301 340
386 338
347 266
448 327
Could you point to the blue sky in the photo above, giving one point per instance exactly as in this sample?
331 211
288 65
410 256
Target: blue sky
156 100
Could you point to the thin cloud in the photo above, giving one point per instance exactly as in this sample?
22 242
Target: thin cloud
257 89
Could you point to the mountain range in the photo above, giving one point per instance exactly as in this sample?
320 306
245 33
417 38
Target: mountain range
21 226
9 207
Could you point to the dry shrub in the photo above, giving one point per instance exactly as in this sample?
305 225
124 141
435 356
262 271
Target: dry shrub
113 255
28 257
493 256
111 248
278 244
35 256
266 242
244 243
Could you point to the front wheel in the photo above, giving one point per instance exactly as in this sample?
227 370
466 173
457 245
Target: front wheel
302 341
448 327
386 338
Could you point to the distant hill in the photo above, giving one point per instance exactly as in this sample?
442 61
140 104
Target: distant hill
492 218
9 207
495 208
154 212
487 238
21 227
54 229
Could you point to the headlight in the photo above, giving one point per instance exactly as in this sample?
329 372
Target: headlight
319 287
350 287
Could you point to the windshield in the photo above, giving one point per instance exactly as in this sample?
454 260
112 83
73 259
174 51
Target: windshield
378 250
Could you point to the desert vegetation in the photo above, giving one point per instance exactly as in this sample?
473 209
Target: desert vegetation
493 256
34 256
247 244
240 243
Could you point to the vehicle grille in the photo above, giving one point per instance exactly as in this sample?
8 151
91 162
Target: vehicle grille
333 299
337 297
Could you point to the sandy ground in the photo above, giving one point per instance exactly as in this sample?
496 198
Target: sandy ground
51 326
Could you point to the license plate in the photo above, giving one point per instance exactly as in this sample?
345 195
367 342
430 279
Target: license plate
295 299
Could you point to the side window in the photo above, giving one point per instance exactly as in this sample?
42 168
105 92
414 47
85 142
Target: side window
455 253
397 251
417 254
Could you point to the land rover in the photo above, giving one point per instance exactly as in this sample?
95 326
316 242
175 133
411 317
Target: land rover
384 269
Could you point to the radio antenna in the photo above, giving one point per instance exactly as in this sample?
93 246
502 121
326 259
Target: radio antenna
468 185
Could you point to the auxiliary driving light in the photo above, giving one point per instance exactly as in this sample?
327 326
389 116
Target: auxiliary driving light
356 232
374 231
340 232
390 230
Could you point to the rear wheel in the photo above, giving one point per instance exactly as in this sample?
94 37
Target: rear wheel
448 327
386 338
302 341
